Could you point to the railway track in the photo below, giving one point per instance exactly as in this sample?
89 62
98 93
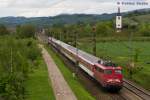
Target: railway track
140 92
135 91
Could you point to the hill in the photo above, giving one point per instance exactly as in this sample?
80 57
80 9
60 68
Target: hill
140 15
48 21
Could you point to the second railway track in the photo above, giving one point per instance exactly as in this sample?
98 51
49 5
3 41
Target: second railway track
143 94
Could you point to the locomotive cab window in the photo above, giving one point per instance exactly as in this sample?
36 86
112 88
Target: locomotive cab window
108 71
99 69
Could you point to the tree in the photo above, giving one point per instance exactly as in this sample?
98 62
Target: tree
133 68
3 30
104 28
144 30
26 31
87 31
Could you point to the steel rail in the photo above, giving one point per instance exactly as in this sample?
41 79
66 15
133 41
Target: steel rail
140 92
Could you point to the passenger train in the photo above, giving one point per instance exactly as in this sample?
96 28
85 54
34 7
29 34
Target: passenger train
105 72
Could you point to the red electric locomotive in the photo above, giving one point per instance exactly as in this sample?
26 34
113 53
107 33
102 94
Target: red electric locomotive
109 75
105 72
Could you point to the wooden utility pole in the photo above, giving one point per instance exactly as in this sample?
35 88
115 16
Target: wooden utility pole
94 41
76 45
60 36
11 60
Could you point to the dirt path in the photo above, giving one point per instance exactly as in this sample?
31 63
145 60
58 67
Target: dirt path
60 87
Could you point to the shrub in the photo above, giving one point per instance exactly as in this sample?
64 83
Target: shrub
17 57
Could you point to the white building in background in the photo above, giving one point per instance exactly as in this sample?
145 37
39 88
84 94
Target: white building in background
118 20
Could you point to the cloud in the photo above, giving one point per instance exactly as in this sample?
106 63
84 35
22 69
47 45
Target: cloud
78 6
34 8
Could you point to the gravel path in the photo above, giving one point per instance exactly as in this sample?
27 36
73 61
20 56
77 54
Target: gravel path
60 87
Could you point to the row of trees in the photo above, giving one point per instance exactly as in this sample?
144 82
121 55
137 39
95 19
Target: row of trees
102 29
83 30
22 31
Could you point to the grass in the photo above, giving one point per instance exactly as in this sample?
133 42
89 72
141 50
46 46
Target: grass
120 53
75 85
38 86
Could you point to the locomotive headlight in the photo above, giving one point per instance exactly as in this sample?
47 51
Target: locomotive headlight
109 80
117 80
113 80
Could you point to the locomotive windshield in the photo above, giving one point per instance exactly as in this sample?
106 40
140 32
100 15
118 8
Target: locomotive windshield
108 71
118 71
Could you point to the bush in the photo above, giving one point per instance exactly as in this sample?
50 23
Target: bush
16 60
144 30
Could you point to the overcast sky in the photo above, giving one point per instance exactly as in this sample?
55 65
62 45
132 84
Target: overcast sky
34 8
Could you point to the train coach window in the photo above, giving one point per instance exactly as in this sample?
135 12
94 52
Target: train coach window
118 71
108 71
